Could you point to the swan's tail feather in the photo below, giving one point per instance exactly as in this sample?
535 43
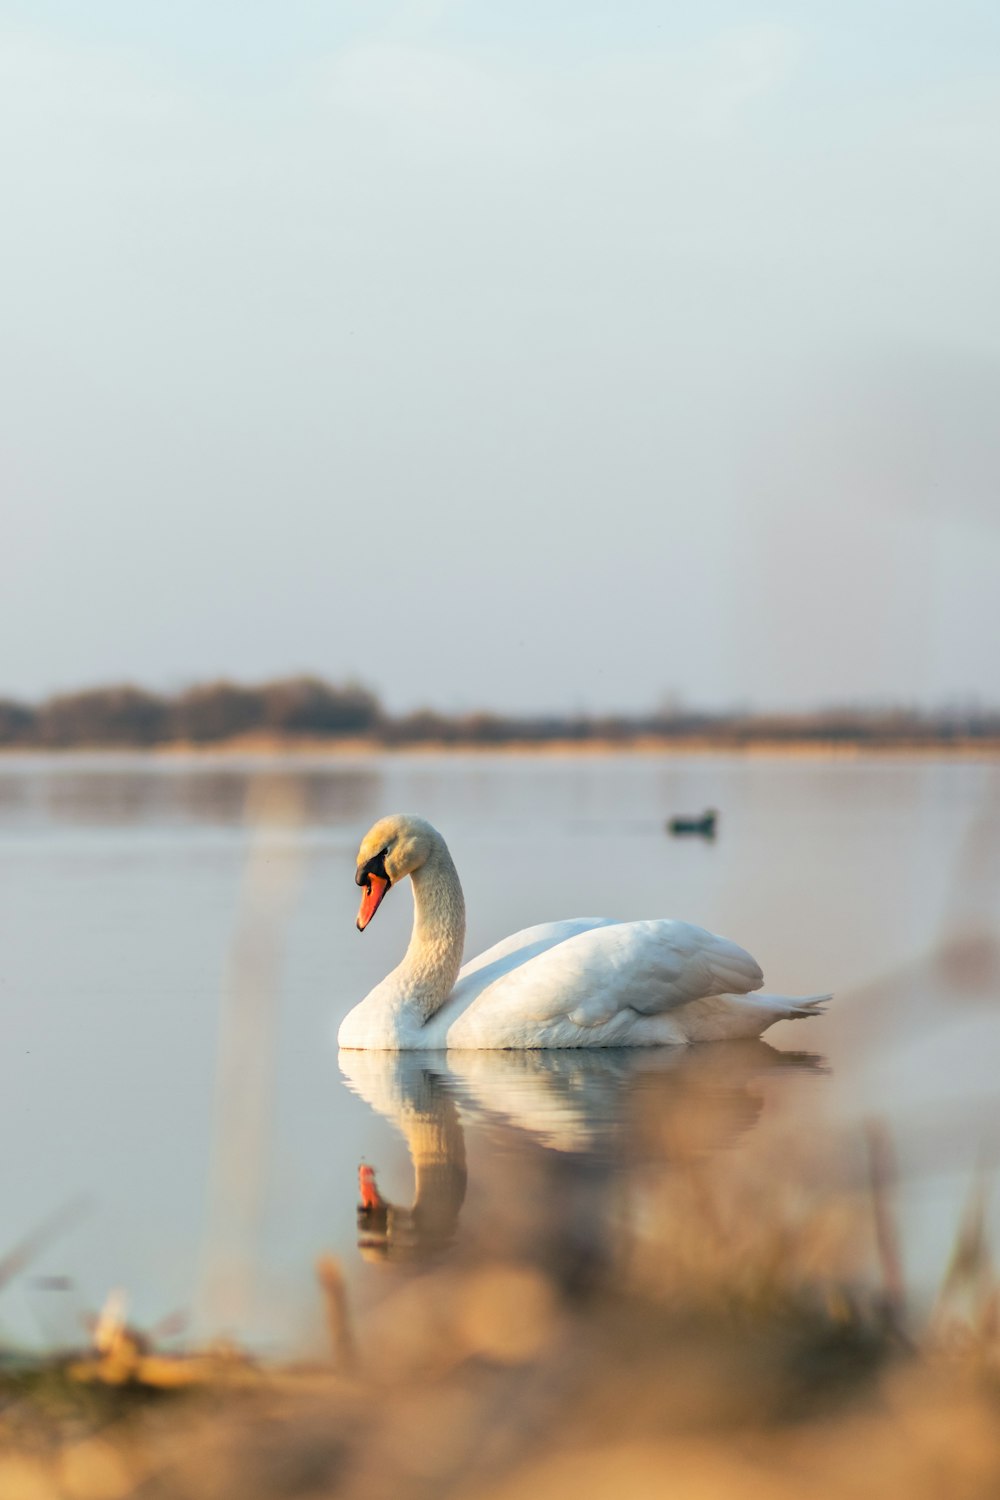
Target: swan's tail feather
735 1017
794 1006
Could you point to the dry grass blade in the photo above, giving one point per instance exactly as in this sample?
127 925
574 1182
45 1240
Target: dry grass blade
882 1179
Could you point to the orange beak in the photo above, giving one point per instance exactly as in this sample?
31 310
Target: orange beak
375 889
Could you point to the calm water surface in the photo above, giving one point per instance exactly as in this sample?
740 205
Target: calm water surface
178 947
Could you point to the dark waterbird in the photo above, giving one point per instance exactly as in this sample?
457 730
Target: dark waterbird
703 827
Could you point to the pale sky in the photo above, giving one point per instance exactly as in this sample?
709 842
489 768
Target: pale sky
521 355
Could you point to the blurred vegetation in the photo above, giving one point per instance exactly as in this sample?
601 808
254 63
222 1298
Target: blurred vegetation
733 1339
129 716
309 708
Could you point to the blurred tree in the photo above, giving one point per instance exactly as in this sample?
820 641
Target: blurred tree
306 705
215 711
121 715
419 727
17 722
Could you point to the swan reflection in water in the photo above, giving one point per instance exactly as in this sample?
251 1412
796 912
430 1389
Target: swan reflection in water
572 1123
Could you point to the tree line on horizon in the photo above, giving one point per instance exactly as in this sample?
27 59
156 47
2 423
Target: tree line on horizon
125 716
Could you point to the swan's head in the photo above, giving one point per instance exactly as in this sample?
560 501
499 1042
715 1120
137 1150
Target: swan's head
394 848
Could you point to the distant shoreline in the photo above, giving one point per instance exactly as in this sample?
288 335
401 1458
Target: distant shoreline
268 746
307 716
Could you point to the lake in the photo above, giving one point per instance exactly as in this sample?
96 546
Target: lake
177 948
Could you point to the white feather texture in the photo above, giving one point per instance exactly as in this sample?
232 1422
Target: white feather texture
586 982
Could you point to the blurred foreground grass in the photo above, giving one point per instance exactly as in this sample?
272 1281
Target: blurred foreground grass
737 1327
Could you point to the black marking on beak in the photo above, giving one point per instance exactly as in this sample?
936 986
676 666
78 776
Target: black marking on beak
374 866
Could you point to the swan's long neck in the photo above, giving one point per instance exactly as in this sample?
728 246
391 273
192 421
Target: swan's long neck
427 975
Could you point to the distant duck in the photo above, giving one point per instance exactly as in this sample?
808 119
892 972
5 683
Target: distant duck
703 827
586 982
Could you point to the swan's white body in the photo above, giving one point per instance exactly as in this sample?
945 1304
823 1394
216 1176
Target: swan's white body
587 982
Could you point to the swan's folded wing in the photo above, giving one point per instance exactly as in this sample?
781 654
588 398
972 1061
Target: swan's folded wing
517 950
638 967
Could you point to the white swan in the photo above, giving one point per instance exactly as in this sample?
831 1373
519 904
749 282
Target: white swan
587 982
